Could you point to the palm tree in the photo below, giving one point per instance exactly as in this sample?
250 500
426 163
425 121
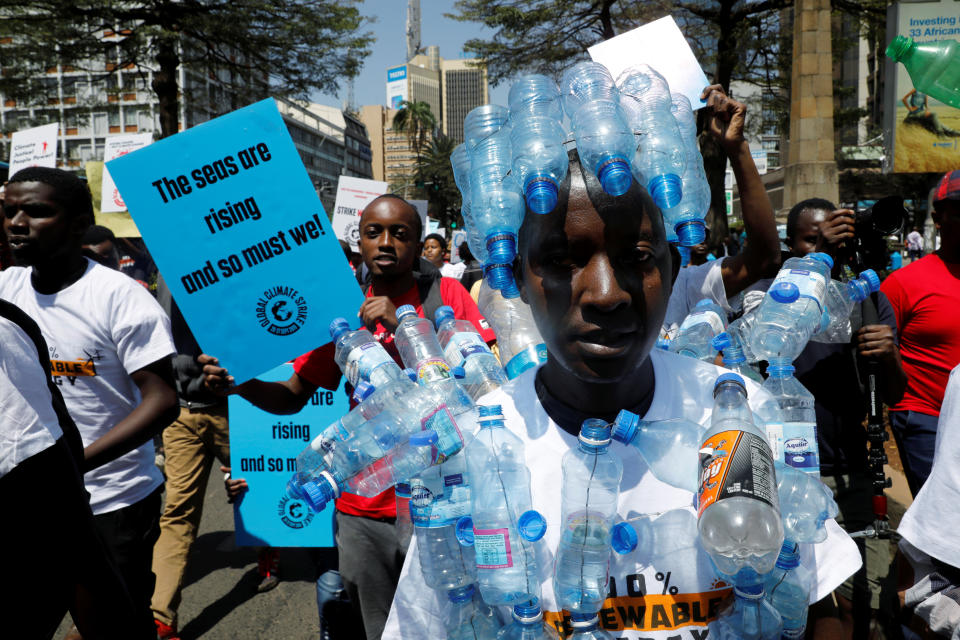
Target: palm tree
417 121
436 175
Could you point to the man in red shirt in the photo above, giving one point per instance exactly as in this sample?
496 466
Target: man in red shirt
925 296
370 554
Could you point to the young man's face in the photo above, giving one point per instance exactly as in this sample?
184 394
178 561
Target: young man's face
807 232
388 237
37 226
597 278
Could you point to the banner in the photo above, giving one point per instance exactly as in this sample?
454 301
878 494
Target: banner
114 147
353 194
396 86
263 450
234 224
36 147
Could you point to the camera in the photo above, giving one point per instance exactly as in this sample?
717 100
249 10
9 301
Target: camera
872 226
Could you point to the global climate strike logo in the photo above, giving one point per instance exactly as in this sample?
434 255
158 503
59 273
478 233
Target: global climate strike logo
281 310
294 513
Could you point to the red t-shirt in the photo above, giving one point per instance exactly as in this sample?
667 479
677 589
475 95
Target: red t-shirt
925 296
318 367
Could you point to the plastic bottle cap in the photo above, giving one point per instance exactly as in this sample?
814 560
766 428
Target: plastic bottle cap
729 377
784 292
788 558
666 190
872 279
405 310
488 410
338 327
531 525
423 438
461 594
458 372
623 538
443 314
464 531
898 48
541 195
510 290
528 612
689 234
500 277
721 341
615 176
825 258
363 391
625 426
319 492
410 373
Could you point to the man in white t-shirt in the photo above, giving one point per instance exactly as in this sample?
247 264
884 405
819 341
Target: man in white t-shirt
110 351
597 272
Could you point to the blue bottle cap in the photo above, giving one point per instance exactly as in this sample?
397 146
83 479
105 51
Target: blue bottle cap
318 493
461 594
625 426
362 391
666 190
405 310
690 233
780 370
728 377
615 176
595 432
443 314
510 290
464 531
459 373
338 326
531 525
410 373
423 438
789 558
541 195
784 292
501 246
488 410
500 277
872 279
528 611
623 538
721 341
825 258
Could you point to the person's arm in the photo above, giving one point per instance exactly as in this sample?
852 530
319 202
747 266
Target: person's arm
879 342
760 257
906 101
158 408
283 398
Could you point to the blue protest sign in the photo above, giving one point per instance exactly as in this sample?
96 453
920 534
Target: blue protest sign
233 222
263 450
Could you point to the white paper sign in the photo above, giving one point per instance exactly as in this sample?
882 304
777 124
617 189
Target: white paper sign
114 147
353 194
661 45
35 147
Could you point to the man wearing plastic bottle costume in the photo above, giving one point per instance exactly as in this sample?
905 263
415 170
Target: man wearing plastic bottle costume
597 272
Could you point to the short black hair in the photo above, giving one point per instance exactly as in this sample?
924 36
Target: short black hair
416 214
69 191
96 234
439 238
464 249
815 204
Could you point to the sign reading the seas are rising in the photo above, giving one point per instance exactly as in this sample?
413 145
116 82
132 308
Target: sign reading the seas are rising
263 451
232 220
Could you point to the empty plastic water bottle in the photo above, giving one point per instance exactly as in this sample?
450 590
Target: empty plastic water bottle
360 357
741 332
793 308
521 346
934 67
539 160
589 490
790 418
668 541
738 506
464 347
469 617
749 617
686 219
840 300
805 505
536 95
404 523
586 626
660 161
788 589
502 524
670 448
440 496
482 122
528 624
733 357
695 336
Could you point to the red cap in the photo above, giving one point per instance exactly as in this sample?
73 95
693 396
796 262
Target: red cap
949 187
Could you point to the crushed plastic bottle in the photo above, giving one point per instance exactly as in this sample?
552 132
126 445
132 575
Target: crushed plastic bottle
670 448
535 94
788 589
528 624
805 505
790 419
464 347
361 357
841 297
695 336
469 617
749 617
518 339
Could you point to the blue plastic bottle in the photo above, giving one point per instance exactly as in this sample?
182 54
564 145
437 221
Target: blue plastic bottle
586 626
482 122
502 525
464 347
733 357
686 219
460 161
539 160
528 624
469 617
589 491
537 95
840 300
695 336
788 589
360 357
790 418
668 447
750 617
519 340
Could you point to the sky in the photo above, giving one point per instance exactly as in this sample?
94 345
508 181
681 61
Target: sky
390 48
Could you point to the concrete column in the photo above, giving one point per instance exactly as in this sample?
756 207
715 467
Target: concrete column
811 169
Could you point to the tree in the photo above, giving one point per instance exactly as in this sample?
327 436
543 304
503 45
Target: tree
436 175
417 121
291 46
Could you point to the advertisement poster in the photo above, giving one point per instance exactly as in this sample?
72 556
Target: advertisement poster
114 147
234 224
36 147
925 132
396 86
353 194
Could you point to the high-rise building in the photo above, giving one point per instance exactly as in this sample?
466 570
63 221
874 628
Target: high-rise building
463 86
393 160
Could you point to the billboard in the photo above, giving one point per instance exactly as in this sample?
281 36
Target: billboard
396 86
922 134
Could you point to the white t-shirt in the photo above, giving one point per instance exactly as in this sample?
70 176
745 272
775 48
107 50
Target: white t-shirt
99 330
694 283
933 520
28 423
455 271
653 599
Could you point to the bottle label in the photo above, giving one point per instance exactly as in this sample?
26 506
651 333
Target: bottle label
492 548
704 316
362 360
449 438
438 501
810 283
432 370
530 357
795 444
736 463
340 430
462 346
